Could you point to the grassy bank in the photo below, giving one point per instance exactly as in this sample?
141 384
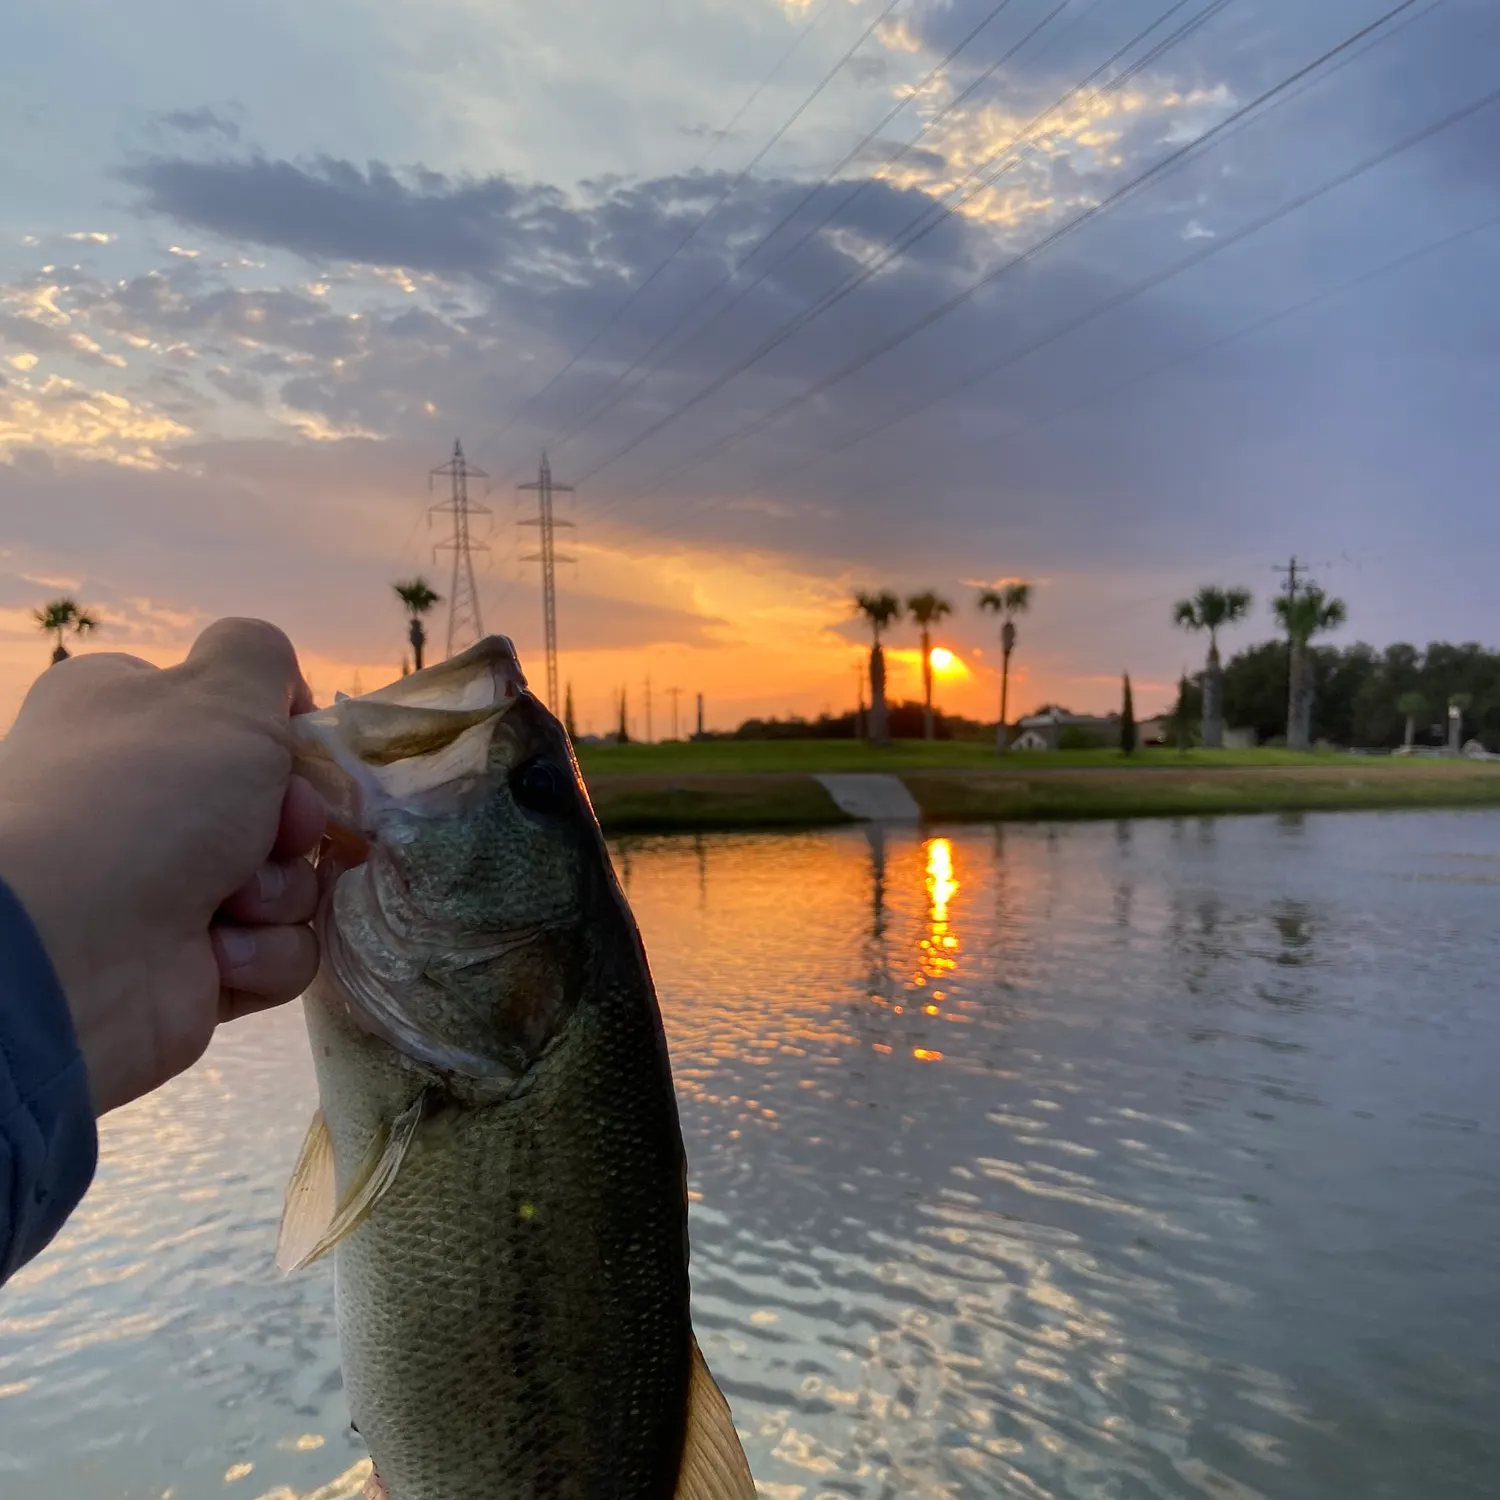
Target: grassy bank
985 796
771 785
810 757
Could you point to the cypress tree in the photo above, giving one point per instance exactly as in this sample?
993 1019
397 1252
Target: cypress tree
1127 721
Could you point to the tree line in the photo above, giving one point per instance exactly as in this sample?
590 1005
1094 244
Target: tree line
1302 614
1360 696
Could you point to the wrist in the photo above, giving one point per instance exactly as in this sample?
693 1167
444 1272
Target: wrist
46 1109
33 868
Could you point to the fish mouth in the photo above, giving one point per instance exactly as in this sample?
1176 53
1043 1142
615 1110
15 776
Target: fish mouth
405 743
419 745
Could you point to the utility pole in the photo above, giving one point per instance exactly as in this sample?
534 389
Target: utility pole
546 554
464 624
648 709
700 716
674 693
1292 569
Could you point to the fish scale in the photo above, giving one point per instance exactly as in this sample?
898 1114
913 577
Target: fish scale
498 1163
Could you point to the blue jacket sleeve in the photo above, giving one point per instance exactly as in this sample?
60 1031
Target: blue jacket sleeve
48 1141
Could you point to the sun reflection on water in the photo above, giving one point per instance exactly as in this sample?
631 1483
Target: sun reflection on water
941 886
939 946
989 1173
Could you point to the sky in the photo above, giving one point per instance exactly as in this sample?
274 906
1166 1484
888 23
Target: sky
802 296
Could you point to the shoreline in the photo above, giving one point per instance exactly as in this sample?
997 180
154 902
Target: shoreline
715 801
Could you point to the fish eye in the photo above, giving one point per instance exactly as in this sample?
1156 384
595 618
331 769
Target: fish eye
540 786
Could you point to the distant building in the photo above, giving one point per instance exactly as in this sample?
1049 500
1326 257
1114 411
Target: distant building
1051 728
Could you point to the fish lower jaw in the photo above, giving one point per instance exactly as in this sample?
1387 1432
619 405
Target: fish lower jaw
367 1001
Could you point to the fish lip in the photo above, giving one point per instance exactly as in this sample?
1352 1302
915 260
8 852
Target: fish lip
352 751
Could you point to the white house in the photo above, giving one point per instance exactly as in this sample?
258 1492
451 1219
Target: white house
1043 731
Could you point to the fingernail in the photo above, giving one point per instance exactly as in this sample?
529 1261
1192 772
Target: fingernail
237 946
271 881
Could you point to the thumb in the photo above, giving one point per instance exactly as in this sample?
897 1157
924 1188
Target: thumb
251 661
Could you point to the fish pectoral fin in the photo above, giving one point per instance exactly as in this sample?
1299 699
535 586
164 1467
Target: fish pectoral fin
314 1221
714 1466
310 1201
374 1489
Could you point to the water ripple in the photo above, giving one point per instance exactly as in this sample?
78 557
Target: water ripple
1093 1163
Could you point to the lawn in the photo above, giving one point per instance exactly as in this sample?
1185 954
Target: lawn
810 757
769 784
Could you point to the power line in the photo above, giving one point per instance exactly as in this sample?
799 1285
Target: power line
765 83
703 221
935 215
1143 179
618 390
1217 342
1149 283
879 259
886 424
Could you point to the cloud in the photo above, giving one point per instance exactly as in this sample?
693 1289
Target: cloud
598 622
334 210
201 121
55 415
1186 432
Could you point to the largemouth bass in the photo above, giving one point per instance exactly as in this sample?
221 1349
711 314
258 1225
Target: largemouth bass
496 1165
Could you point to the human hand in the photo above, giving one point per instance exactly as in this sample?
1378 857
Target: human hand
151 826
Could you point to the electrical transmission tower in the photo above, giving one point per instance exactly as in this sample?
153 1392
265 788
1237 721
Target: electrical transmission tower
547 555
464 624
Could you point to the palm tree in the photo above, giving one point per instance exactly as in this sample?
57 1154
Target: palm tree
927 609
1304 615
1008 601
417 595
57 617
1210 609
1458 705
880 610
1412 706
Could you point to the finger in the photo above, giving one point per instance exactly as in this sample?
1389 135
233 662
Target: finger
234 1004
250 660
278 894
276 963
304 815
99 669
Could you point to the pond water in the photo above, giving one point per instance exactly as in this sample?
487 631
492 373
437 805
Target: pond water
1133 1160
